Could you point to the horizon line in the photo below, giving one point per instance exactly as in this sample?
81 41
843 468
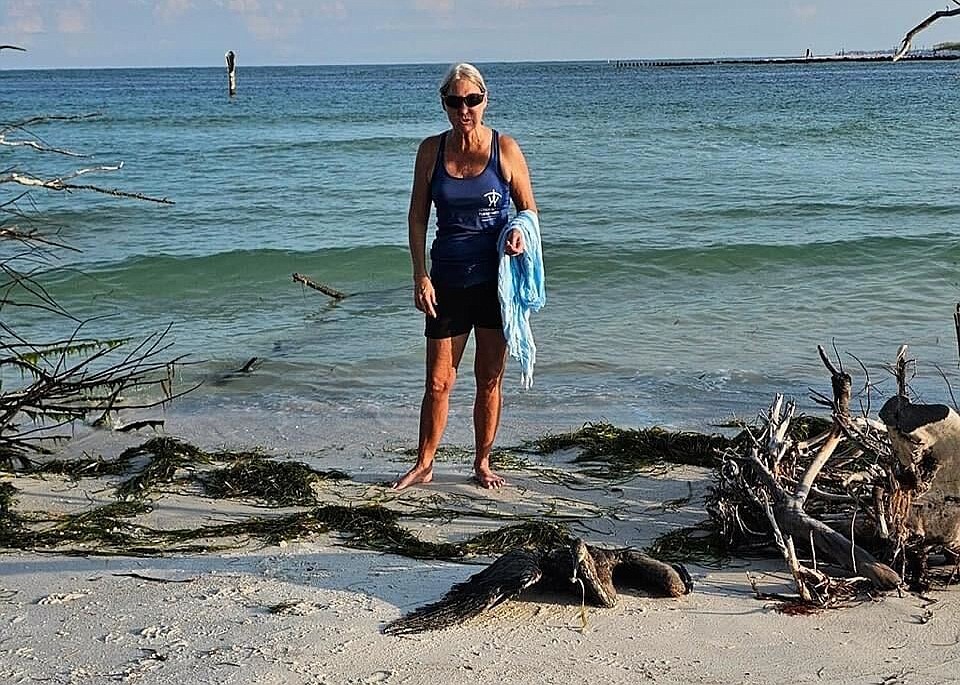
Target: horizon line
599 60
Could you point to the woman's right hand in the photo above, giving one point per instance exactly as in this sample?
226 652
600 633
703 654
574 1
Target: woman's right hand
424 296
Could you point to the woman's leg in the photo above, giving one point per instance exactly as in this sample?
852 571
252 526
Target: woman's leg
488 367
443 358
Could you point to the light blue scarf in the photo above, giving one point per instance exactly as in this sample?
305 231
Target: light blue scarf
521 291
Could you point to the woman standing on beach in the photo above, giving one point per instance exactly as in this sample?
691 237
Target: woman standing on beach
469 173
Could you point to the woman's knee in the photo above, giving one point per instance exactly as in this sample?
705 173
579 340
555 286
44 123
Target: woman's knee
489 380
440 385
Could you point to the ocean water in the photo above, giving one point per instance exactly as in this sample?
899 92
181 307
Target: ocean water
704 228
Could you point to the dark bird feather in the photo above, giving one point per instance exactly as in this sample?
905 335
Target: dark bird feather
504 579
569 568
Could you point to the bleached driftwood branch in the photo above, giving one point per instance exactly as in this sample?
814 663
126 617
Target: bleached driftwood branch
765 481
35 141
62 183
908 39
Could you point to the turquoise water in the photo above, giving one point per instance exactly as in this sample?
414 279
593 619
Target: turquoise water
705 228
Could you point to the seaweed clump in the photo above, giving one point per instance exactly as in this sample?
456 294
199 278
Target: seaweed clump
628 451
279 484
113 529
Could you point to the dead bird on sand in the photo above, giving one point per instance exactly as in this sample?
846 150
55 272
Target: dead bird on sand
591 573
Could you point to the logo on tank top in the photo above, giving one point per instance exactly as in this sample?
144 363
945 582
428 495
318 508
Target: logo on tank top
493 198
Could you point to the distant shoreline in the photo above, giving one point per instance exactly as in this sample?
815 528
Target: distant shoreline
618 63
748 61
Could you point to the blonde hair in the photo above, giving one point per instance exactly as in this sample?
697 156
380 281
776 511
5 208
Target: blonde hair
462 70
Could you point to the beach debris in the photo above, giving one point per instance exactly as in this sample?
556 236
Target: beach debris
591 573
250 365
153 579
765 489
63 597
277 483
870 495
247 368
627 451
925 516
325 289
146 470
52 381
700 544
137 425
833 593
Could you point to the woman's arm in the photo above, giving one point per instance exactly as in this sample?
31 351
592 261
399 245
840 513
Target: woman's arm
418 215
513 165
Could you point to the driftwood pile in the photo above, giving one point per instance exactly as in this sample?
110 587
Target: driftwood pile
867 500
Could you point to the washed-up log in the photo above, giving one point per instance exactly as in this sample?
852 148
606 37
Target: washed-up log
926 442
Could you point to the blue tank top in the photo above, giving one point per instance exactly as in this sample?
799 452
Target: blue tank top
471 212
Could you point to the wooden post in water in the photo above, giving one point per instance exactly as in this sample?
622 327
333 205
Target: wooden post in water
231 72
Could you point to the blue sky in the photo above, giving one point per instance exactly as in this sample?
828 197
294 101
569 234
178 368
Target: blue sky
122 33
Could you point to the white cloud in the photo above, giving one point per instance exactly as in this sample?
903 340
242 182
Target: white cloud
436 6
543 4
804 12
244 6
74 18
167 10
276 20
23 17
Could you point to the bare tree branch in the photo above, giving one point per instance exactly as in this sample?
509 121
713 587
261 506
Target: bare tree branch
36 142
61 380
60 184
908 39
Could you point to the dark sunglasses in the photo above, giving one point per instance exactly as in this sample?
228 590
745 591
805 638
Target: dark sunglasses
456 101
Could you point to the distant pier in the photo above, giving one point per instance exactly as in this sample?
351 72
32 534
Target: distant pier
748 61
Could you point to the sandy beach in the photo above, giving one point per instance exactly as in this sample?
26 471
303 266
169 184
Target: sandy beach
312 611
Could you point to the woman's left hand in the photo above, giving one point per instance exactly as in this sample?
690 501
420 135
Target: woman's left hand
514 243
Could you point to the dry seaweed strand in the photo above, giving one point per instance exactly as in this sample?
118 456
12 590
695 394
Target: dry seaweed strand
626 451
110 529
159 462
165 456
288 483
700 544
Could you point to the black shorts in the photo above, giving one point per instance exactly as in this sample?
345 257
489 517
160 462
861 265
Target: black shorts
459 310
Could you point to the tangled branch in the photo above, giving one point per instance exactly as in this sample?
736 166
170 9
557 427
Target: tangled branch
47 384
907 42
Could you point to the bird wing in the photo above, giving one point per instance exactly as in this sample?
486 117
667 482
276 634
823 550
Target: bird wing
504 579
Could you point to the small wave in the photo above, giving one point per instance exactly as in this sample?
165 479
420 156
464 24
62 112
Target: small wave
253 271
569 260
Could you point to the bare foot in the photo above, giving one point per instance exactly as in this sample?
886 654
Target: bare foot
488 479
418 474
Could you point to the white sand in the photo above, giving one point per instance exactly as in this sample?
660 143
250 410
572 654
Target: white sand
312 612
